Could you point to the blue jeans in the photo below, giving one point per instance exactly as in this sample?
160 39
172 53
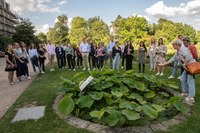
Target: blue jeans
175 67
188 83
116 61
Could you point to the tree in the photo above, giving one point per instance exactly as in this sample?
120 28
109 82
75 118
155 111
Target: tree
4 41
24 32
42 37
59 32
133 28
98 30
79 30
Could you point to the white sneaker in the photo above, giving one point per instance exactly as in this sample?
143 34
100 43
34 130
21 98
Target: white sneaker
189 99
28 77
171 77
88 69
183 94
53 69
42 72
122 67
74 69
161 74
83 69
179 77
94 68
12 83
34 73
157 73
154 70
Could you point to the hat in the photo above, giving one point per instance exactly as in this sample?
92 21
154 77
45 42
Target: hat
186 39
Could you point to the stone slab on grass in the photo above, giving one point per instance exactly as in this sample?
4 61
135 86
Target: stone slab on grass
29 113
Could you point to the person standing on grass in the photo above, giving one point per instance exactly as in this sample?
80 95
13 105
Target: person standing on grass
10 61
19 61
42 58
141 56
116 53
59 54
176 62
187 80
161 51
79 56
110 48
51 54
95 65
100 55
151 53
123 56
192 48
85 49
70 55
128 53
33 54
64 63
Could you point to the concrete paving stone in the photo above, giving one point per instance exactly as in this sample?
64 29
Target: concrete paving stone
29 113
158 126
78 122
171 122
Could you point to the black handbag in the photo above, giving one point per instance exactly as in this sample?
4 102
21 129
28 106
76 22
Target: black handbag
10 68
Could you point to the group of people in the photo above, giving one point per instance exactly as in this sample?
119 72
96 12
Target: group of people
94 56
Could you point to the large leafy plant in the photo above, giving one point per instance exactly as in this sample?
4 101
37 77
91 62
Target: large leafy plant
117 99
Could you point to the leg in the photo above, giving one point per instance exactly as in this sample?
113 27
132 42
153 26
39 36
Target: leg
143 67
184 84
118 61
191 85
139 67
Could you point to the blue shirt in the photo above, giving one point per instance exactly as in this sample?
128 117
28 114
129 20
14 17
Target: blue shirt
85 47
110 46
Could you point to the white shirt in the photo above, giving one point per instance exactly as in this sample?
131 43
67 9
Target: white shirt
84 47
32 52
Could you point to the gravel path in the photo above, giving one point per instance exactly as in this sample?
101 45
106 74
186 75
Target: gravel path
10 93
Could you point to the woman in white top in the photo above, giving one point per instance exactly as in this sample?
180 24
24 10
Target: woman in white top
33 54
151 53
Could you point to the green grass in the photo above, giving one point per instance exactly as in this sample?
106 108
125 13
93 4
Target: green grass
43 91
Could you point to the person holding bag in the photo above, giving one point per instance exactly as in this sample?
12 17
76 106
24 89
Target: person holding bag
10 64
187 79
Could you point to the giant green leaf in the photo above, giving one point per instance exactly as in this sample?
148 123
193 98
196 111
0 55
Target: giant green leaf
139 75
173 86
113 79
150 94
123 89
117 94
181 107
134 96
66 105
129 82
130 105
96 95
79 76
172 100
107 85
97 114
65 89
139 86
112 119
130 114
148 110
158 108
85 101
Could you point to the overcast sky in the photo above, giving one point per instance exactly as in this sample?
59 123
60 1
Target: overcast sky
43 13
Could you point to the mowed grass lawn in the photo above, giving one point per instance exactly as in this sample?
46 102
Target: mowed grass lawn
43 91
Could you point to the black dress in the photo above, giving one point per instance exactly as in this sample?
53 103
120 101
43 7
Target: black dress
11 58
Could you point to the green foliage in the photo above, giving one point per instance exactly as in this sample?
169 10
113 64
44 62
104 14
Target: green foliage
42 37
4 41
24 32
66 105
59 32
121 100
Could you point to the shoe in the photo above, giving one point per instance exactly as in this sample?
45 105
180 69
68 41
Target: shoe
34 73
74 69
161 74
183 94
150 69
12 83
122 67
28 77
88 69
53 69
179 77
42 72
83 69
94 68
157 73
189 99
171 77
154 70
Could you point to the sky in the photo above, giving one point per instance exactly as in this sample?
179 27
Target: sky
43 13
